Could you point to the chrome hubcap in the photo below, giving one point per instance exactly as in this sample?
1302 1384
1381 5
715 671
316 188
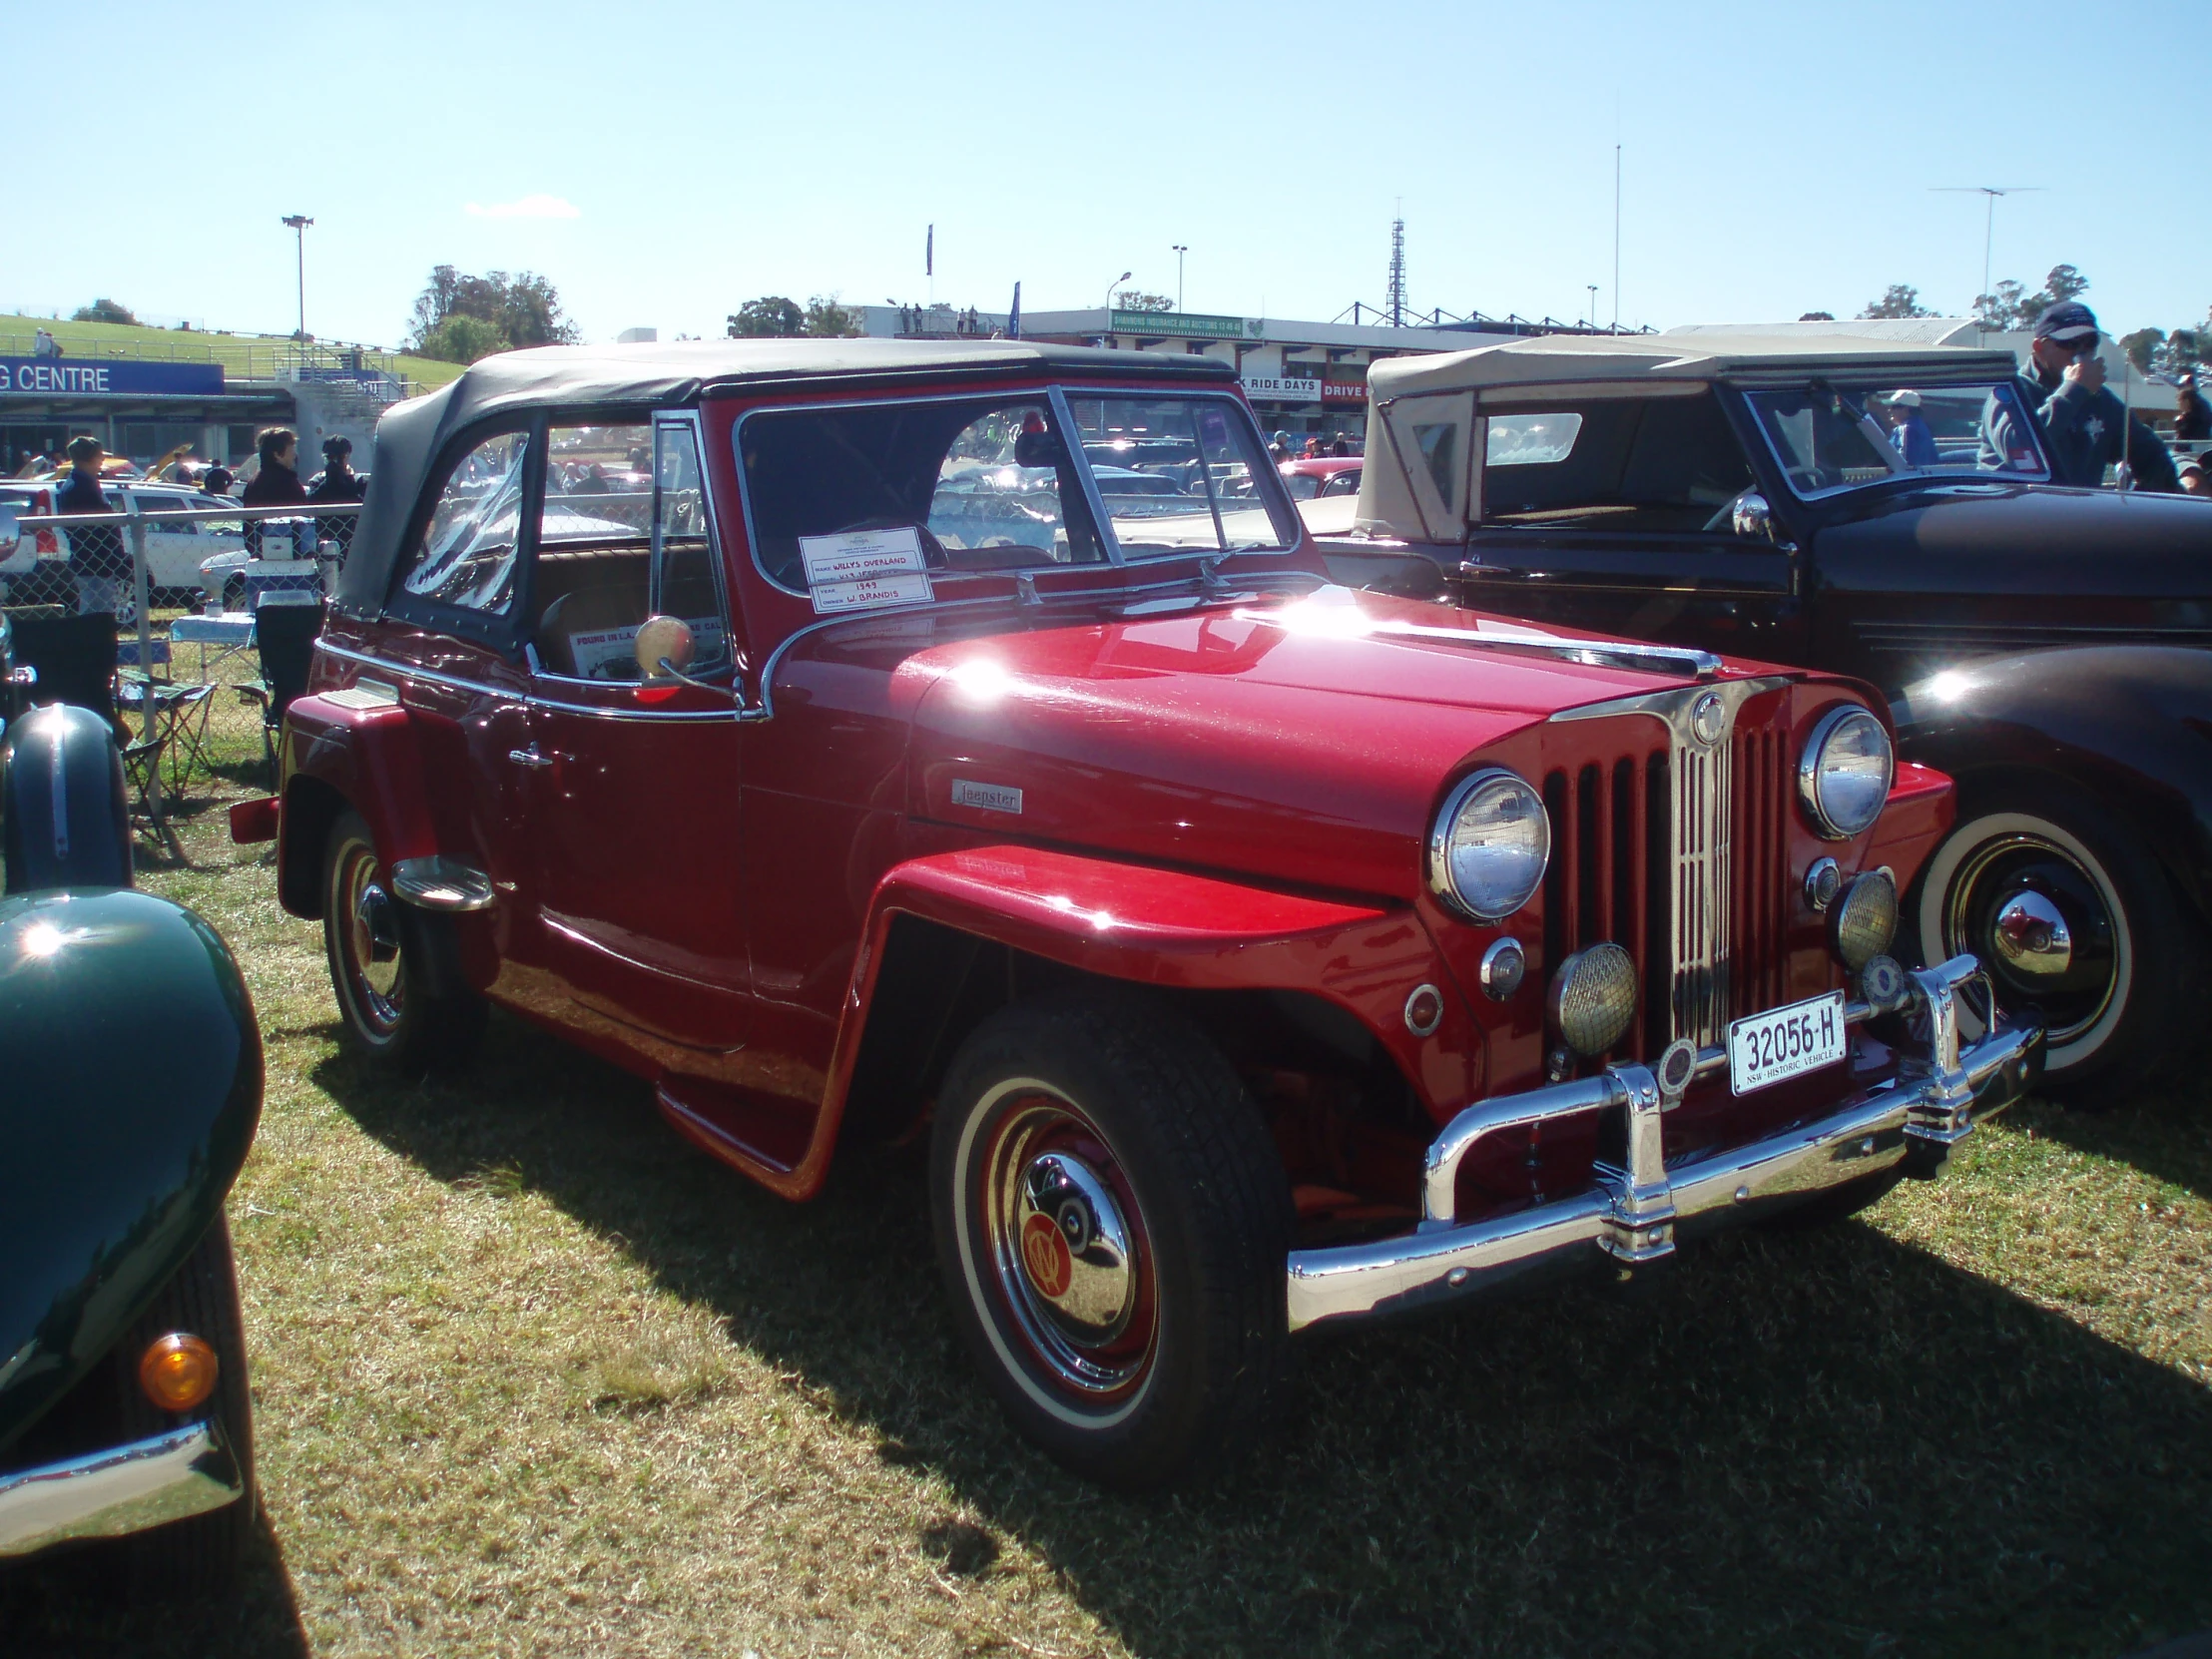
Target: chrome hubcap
1067 1248
1074 1248
2030 936
2041 924
372 944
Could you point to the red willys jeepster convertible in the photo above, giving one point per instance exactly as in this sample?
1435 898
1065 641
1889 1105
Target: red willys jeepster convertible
810 728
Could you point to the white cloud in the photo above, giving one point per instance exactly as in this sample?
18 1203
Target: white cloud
540 205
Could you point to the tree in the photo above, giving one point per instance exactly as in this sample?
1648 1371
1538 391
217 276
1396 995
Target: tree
460 340
1817 317
2013 307
104 311
2144 347
1903 300
519 311
1133 301
827 319
772 316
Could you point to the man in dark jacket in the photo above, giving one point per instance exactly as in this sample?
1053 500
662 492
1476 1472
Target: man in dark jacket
96 556
2085 426
275 485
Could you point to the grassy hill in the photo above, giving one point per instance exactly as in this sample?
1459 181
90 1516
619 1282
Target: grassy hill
244 355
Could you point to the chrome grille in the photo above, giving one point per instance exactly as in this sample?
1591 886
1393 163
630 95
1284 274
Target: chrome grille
1676 851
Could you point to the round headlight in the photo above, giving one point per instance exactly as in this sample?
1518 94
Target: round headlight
1844 775
1864 921
1487 853
1593 998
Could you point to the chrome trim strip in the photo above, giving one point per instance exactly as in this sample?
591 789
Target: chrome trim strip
407 671
1635 1214
119 1490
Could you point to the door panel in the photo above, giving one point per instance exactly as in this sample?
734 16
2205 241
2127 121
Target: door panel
1716 593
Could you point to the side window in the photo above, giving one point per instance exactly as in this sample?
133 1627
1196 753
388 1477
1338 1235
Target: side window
468 552
1659 465
622 535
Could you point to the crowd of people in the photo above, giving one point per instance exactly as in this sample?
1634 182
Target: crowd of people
1284 447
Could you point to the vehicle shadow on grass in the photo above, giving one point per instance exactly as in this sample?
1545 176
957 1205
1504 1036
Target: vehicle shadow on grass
1818 1443
72 1606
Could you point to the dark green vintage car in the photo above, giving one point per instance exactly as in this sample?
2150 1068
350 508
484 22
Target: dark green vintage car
130 1086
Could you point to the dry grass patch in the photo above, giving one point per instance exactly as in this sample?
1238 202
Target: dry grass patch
533 1378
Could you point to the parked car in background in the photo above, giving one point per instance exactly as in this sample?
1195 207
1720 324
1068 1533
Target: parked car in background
132 1083
1261 955
1754 494
1320 475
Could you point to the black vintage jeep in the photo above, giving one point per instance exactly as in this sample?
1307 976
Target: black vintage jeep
1877 511
130 1086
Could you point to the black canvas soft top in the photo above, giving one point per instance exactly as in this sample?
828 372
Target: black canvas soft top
677 374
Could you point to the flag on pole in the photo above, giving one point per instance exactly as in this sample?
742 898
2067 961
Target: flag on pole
1013 317
930 253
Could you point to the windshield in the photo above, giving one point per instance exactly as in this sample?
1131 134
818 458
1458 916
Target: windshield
952 485
1182 475
1831 436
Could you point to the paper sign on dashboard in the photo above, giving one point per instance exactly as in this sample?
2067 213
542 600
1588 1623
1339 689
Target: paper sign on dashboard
862 569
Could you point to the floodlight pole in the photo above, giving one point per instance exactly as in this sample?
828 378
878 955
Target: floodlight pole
1180 249
299 224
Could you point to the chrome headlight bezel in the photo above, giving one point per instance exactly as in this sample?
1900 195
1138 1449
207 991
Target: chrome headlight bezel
1811 771
1464 796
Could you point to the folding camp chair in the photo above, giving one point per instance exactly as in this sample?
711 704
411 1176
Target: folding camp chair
75 656
284 634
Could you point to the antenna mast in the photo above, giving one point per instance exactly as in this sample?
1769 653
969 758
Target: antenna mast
1395 305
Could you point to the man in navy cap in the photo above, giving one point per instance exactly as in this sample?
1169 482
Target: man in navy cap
2085 426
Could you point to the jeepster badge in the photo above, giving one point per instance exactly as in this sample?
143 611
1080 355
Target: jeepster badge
990 798
1708 719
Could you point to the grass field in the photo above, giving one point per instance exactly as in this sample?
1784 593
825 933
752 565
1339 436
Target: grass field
532 1377
240 355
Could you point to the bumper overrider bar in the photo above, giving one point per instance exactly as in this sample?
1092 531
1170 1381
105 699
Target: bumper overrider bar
117 1489
1633 1211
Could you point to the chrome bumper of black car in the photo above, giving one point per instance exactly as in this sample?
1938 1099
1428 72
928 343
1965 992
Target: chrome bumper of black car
1632 1214
119 1490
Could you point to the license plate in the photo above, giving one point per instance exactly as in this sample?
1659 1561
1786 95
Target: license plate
1784 1042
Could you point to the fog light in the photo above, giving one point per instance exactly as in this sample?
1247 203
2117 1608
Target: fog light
1593 998
178 1371
1864 921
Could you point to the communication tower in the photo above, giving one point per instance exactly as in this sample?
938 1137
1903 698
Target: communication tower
1395 305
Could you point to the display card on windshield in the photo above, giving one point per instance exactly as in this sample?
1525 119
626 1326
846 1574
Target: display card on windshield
862 569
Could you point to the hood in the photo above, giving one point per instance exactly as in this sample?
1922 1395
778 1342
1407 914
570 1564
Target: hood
2023 540
114 1157
1305 741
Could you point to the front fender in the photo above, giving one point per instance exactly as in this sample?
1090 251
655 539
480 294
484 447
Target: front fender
1165 928
132 1083
2131 725
344 753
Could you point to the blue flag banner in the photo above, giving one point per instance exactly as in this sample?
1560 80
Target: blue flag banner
930 253
107 377
1013 317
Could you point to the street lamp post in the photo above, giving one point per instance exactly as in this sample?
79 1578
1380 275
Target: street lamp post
1110 286
299 224
1180 249
1592 287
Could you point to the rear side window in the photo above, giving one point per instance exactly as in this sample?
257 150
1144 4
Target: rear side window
470 550
1660 464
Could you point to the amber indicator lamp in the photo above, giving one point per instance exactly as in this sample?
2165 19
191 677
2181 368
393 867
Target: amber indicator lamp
178 1371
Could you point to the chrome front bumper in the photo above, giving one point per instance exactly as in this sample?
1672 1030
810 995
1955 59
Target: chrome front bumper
1632 1213
117 1489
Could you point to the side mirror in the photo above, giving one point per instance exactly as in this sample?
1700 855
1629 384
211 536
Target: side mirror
665 647
1753 517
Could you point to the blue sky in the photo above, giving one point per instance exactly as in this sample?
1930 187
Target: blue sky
1776 160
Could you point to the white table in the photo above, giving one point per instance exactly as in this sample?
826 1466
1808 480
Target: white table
231 631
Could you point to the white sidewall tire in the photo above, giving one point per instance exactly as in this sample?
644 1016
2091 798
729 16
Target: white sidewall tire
1942 870
980 1296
